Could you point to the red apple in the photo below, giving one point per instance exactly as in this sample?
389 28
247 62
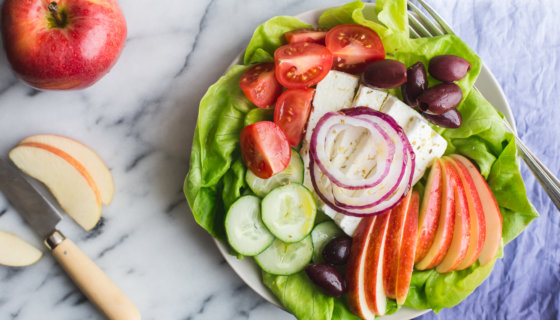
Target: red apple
446 223
492 215
429 212
477 221
63 44
462 227
408 248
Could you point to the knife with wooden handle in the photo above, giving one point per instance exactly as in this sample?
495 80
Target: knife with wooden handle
41 215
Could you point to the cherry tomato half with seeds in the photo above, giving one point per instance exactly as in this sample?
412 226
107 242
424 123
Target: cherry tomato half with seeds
306 35
302 65
260 85
265 149
353 46
291 112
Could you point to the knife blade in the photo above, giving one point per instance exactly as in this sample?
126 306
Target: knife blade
43 218
28 202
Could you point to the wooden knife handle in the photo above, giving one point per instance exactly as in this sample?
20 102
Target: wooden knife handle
94 283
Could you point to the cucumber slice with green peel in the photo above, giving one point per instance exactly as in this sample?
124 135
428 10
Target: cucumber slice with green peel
245 230
289 212
292 174
321 235
284 259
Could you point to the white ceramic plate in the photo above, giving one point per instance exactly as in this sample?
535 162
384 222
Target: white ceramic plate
248 270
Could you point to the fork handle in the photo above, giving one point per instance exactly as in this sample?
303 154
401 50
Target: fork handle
546 179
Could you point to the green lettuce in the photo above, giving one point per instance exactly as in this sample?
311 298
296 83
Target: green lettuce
216 174
269 36
215 144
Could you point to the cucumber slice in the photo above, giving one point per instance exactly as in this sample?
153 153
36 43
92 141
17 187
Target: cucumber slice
289 212
292 174
321 235
245 230
286 258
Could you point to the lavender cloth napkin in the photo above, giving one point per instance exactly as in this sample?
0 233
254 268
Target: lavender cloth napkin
519 40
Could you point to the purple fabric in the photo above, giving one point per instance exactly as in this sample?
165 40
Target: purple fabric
519 41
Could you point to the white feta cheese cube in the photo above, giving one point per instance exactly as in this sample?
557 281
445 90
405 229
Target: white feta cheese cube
348 224
401 112
368 97
427 145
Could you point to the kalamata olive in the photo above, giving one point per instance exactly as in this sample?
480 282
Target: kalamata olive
326 278
440 98
450 119
384 74
337 250
416 83
448 68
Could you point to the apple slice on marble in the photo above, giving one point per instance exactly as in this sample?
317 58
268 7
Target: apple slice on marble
492 215
67 179
84 155
14 252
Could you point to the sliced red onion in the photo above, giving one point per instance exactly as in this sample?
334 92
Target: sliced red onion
322 141
360 201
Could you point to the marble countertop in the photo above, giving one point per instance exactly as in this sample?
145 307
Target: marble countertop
140 118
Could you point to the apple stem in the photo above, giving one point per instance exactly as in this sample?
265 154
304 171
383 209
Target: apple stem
56 14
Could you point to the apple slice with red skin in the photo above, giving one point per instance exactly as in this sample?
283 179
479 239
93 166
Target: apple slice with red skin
462 227
393 244
408 249
477 220
446 222
429 212
84 155
67 179
356 270
492 215
375 292
364 270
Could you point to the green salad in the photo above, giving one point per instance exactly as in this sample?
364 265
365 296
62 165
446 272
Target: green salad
216 177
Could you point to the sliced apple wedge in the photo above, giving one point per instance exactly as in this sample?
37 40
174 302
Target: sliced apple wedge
356 270
395 235
375 292
14 252
477 220
462 227
84 155
446 222
429 212
408 249
69 182
492 215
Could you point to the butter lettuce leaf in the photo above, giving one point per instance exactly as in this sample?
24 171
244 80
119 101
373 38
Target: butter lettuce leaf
269 36
215 144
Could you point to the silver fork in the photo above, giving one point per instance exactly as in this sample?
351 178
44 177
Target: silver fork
422 26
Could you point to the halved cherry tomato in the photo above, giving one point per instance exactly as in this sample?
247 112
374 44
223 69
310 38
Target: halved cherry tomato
301 65
291 112
260 85
353 46
264 149
306 35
